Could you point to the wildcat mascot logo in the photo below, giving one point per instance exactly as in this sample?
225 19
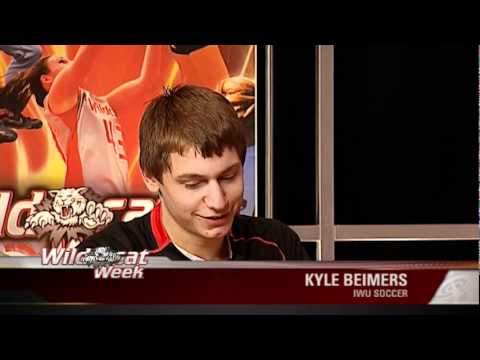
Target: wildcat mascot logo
69 216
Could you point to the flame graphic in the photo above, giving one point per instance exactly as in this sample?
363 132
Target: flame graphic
33 160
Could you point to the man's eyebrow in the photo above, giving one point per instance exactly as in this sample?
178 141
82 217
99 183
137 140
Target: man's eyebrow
190 177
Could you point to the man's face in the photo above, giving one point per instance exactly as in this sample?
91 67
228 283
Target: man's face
202 195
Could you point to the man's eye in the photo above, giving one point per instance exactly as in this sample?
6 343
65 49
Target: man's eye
192 185
228 177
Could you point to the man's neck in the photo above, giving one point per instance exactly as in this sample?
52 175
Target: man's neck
226 254
208 249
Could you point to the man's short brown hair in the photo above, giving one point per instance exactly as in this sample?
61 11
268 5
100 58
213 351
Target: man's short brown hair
187 117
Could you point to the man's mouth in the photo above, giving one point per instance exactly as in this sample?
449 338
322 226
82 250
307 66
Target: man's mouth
215 217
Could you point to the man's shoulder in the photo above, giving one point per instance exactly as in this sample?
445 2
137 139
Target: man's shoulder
248 226
266 239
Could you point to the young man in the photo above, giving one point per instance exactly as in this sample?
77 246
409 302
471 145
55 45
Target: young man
192 150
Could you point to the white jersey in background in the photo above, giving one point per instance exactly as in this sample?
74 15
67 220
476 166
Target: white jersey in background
89 137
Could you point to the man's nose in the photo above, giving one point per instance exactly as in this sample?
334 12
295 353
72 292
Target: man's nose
215 198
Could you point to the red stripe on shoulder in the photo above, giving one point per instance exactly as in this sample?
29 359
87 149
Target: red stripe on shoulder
262 240
159 233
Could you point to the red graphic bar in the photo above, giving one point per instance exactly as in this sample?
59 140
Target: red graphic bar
227 286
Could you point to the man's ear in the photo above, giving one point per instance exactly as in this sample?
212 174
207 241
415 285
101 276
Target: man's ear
46 81
152 183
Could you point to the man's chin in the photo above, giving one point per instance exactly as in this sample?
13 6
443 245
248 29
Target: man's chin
216 232
215 228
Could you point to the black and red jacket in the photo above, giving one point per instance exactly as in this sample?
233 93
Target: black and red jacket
250 239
